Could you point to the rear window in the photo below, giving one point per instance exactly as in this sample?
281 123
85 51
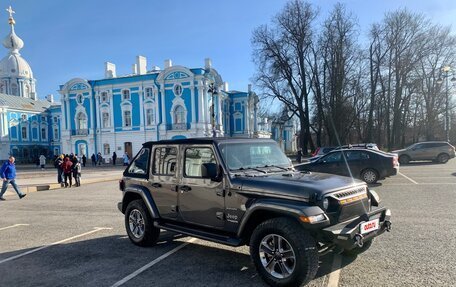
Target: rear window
165 159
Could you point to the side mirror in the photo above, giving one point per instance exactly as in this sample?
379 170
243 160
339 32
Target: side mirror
212 171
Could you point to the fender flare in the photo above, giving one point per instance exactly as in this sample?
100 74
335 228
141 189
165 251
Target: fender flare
281 207
145 196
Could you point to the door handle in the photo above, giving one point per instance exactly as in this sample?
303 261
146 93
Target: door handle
185 188
156 185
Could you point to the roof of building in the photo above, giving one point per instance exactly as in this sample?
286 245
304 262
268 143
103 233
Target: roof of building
20 103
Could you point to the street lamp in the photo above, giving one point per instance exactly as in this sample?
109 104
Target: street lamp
213 91
445 71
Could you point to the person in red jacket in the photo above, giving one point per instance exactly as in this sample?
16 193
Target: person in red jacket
67 169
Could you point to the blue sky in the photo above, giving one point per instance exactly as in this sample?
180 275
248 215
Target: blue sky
66 39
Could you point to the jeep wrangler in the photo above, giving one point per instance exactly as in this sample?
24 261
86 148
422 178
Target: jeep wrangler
246 192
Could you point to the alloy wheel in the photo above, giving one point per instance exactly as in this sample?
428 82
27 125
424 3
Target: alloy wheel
369 176
136 223
277 256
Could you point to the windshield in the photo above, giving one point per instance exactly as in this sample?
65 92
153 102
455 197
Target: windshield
253 154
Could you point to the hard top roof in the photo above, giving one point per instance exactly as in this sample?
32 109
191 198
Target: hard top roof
207 140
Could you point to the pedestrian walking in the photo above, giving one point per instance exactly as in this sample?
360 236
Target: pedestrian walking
114 158
299 156
42 161
94 159
99 158
67 169
84 160
126 159
8 174
58 164
77 173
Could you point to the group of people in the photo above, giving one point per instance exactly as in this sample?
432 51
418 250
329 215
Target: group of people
68 167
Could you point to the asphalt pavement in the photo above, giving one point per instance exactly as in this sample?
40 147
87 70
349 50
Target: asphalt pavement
76 237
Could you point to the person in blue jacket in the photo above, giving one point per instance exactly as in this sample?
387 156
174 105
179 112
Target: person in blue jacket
8 174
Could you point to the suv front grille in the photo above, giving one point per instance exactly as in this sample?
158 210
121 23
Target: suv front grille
345 194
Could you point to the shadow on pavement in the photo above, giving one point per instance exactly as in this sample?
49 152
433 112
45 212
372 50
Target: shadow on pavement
106 260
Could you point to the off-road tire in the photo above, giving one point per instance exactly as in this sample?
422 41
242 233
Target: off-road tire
302 244
150 233
358 250
404 159
369 175
443 158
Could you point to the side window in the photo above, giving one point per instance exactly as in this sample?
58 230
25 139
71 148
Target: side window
198 158
140 163
353 155
364 155
333 157
165 160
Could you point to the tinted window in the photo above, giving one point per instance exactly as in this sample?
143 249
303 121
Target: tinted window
333 157
197 157
165 161
356 155
140 163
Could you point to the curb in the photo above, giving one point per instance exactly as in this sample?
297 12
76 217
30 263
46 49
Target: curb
50 186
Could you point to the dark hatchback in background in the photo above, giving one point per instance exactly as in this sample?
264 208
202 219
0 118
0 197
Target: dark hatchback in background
365 164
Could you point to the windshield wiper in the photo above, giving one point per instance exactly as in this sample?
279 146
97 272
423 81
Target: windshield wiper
277 166
249 168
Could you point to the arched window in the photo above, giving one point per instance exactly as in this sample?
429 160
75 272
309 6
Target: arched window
150 116
82 121
79 99
24 133
27 91
14 89
43 133
56 133
106 149
105 119
179 115
127 118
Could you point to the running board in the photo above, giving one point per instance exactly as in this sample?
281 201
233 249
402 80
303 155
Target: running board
223 239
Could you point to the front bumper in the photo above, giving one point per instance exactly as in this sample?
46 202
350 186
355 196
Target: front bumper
347 234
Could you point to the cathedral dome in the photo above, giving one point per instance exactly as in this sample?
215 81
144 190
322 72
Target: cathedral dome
13 65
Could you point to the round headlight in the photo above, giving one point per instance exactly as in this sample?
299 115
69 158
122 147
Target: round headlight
325 203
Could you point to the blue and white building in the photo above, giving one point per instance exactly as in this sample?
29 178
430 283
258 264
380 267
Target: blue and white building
28 127
119 113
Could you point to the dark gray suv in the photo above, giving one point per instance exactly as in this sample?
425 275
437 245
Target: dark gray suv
246 192
438 151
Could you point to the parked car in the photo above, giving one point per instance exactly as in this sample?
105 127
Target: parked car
246 192
366 164
319 152
439 151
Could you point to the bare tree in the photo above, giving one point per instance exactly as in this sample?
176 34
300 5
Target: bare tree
280 53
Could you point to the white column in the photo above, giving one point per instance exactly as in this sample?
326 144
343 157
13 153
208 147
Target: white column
246 117
141 108
163 106
111 106
92 112
2 128
192 98
67 103
201 112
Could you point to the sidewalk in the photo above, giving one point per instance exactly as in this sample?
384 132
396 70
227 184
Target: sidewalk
31 178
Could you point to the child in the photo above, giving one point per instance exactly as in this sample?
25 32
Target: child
77 172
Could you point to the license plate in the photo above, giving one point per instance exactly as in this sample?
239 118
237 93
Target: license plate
369 226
